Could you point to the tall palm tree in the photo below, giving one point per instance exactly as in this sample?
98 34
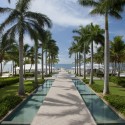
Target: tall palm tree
25 54
95 34
106 8
117 51
83 43
46 47
73 50
5 45
23 21
53 51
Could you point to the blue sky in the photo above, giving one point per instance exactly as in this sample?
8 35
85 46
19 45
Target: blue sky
67 15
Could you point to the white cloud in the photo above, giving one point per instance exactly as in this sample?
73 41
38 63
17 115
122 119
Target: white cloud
64 12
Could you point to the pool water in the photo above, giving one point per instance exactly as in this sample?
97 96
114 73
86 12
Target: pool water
27 110
101 112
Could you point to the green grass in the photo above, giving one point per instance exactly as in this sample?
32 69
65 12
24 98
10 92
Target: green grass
114 89
13 89
116 98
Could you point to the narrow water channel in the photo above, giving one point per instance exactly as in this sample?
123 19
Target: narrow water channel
101 112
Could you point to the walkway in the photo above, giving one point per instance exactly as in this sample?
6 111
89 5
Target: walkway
63 105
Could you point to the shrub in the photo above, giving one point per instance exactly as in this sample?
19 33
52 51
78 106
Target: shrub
86 81
117 80
117 102
26 75
8 81
49 75
99 74
29 88
41 81
29 75
7 103
97 88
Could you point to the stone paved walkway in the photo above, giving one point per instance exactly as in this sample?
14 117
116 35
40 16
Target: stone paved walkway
63 105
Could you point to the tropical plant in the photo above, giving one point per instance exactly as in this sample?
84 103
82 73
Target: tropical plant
22 20
117 51
106 8
25 55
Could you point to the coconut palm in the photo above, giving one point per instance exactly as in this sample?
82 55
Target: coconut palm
53 52
106 8
25 54
46 47
117 51
22 20
5 45
95 34
84 46
74 50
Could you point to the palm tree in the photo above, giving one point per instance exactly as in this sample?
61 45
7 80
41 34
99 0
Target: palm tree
53 51
83 44
46 47
117 51
5 45
95 34
23 21
73 50
25 54
106 8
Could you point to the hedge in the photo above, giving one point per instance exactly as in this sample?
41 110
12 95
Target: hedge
7 103
26 75
118 102
97 88
117 80
8 81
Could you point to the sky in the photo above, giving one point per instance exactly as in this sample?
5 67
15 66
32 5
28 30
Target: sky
67 15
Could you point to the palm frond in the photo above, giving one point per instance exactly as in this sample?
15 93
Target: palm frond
115 14
12 17
23 5
5 10
42 19
88 2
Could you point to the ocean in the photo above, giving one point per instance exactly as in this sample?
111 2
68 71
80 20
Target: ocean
65 66
8 67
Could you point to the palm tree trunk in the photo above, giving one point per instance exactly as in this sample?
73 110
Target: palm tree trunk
30 67
24 68
36 58
1 69
106 58
91 74
46 62
49 63
21 81
79 64
119 70
42 64
13 68
84 64
75 63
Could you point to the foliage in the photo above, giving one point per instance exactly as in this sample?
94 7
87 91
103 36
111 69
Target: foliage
7 103
41 81
86 81
48 75
117 80
99 74
97 88
27 75
8 81
117 102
